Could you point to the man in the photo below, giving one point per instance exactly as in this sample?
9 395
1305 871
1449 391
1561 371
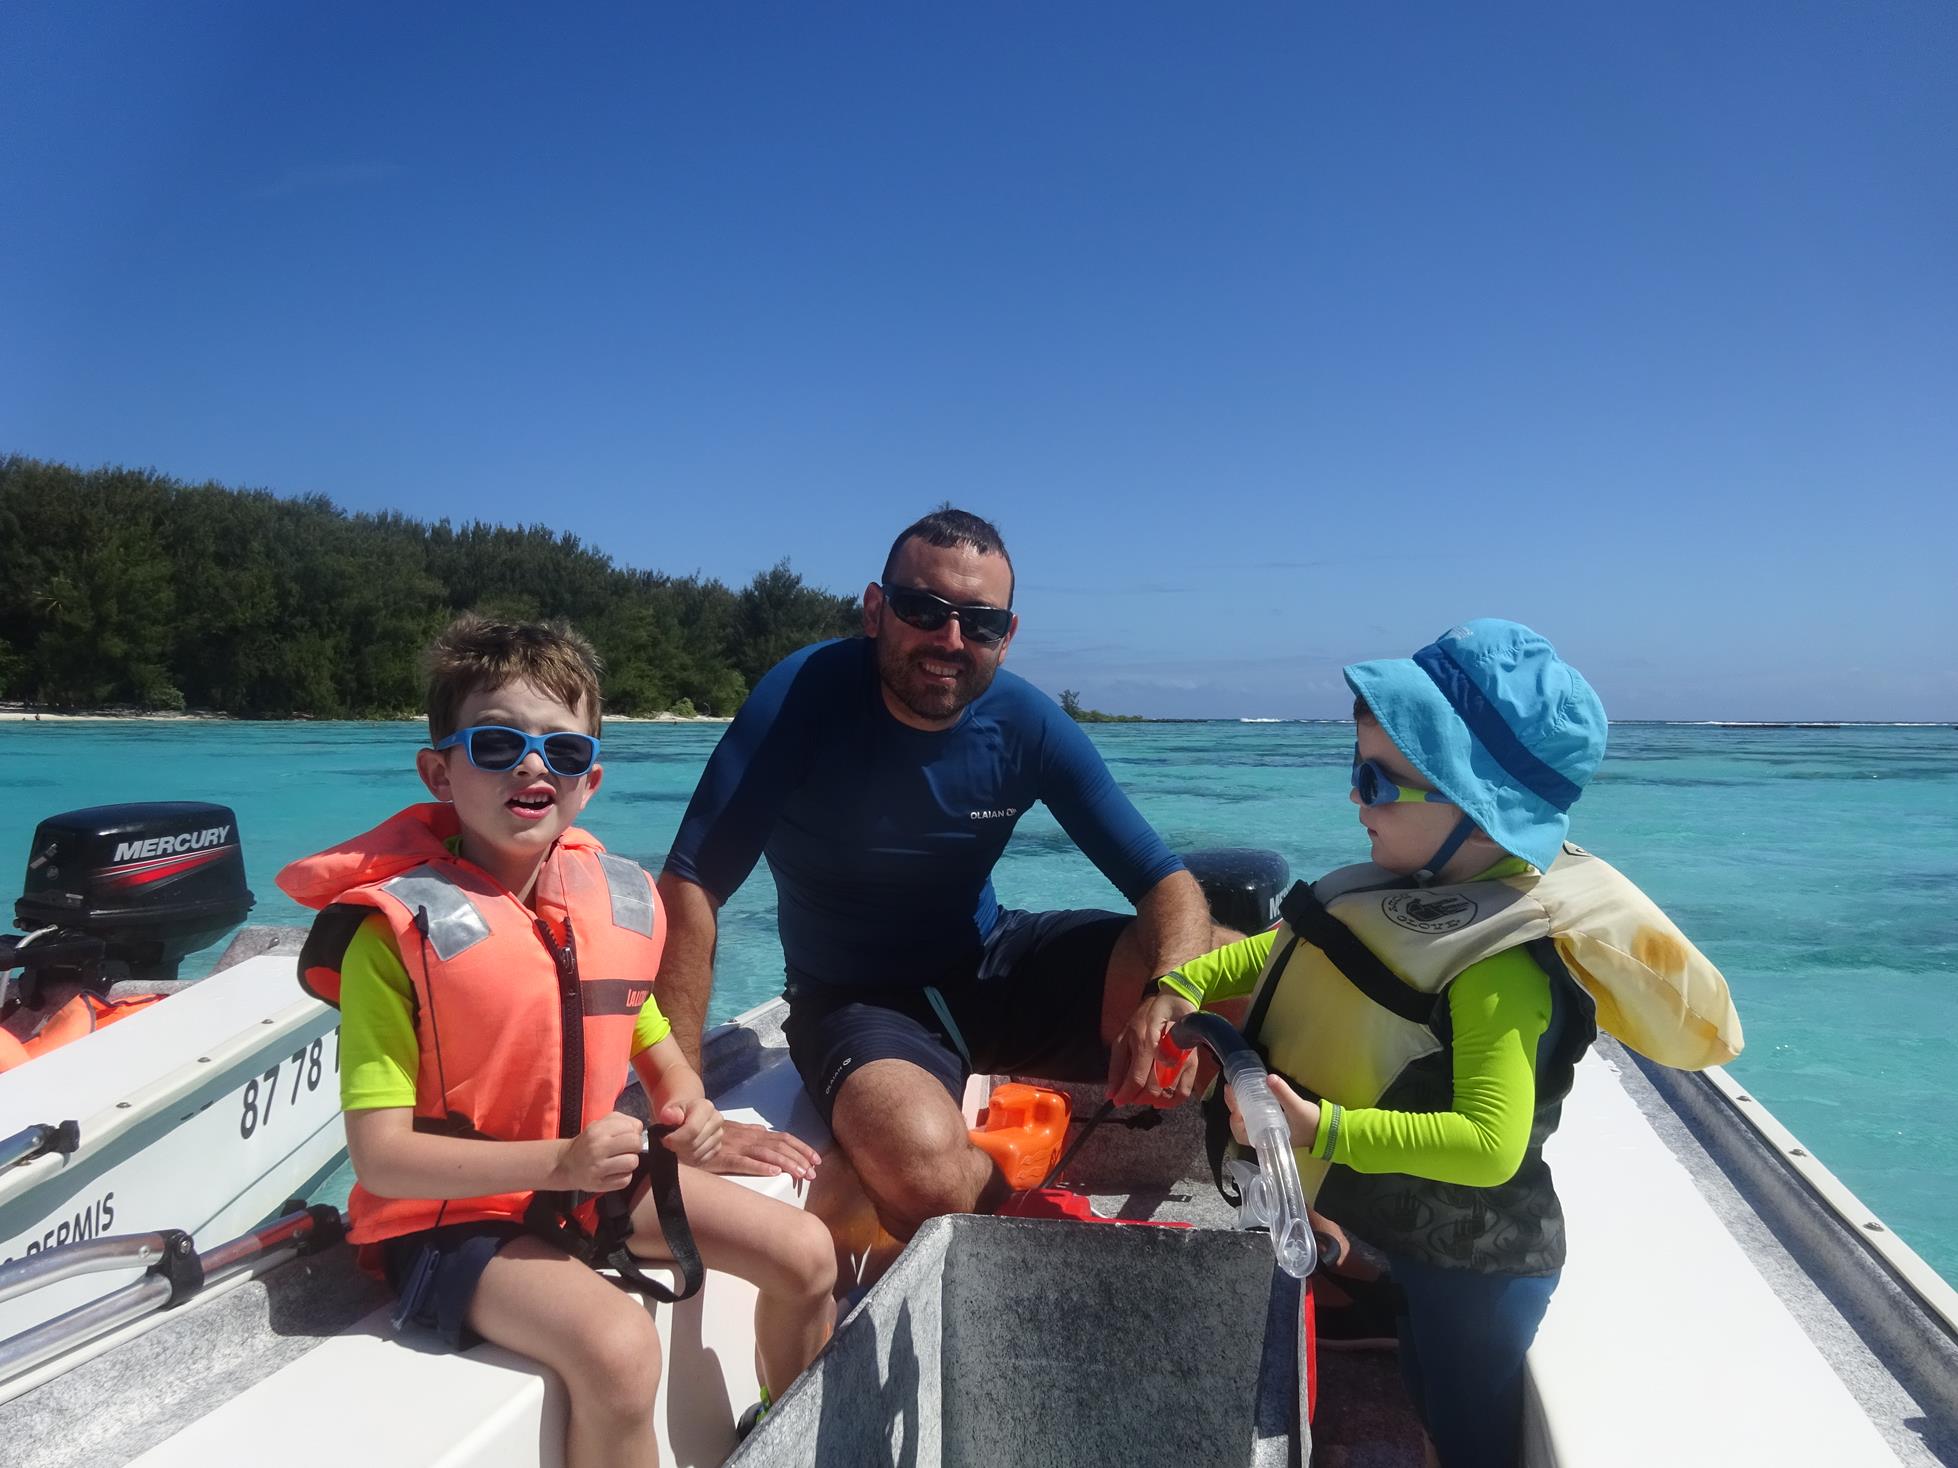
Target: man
882 777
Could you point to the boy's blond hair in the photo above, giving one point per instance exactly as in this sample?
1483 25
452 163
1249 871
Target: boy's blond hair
475 653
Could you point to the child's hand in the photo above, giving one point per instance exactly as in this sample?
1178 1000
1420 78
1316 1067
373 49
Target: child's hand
696 1134
600 1159
1301 1114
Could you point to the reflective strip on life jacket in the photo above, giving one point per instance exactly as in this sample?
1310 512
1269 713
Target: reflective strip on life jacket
632 899
453 924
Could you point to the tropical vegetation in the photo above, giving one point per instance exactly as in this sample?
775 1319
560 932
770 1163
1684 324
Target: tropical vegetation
1071 706
127 587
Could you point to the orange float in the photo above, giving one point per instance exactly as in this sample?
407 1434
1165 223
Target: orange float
82 1015
1023 1131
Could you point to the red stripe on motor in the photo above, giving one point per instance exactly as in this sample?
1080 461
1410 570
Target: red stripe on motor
157 874
121 868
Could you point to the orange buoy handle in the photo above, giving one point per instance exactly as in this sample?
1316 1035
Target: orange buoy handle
1023 1131
1169 1061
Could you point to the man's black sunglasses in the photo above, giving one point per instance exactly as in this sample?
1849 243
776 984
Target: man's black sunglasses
926 612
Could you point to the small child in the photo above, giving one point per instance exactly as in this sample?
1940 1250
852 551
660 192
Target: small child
494 970
1421 1014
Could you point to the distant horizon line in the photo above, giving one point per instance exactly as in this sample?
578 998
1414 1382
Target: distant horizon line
16 711
1671 723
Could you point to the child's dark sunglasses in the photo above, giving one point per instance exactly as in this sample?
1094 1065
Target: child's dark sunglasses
920 609
494 747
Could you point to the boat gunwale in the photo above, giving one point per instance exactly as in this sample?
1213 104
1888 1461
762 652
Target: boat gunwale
1904 1263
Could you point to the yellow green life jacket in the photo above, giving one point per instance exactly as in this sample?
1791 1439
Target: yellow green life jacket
1352 1008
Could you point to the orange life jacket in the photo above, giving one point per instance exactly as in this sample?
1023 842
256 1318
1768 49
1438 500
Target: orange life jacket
524 1014
82 1015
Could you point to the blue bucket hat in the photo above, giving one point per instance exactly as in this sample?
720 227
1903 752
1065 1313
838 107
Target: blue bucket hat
1496 722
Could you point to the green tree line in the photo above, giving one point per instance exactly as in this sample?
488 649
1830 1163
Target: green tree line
1071 706
121 586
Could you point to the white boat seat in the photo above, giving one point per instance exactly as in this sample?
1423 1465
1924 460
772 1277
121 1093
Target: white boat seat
372 1399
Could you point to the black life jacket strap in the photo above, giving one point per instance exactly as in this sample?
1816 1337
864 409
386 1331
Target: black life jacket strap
1311 923
1217 1138
661 1169
1217 1142
1216 1113
550 1217
1310 920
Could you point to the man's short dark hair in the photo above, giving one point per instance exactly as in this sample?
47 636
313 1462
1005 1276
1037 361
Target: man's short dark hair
945 528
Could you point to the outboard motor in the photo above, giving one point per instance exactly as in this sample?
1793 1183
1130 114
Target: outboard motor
1242 884
122 892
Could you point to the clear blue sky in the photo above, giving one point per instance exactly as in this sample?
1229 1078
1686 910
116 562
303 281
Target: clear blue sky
1272 335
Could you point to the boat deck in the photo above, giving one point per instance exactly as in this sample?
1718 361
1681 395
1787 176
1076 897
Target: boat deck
1703 1319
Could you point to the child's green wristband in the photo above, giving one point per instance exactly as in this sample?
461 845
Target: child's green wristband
1178 983
1331 1117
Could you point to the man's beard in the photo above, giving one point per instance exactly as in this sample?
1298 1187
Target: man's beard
930 698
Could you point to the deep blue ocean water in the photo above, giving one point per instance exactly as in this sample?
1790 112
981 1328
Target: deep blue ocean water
1817 867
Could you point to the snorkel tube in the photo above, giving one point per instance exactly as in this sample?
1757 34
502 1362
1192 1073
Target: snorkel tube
1271 1196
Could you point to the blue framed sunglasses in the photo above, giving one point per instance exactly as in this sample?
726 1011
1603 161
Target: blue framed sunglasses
495 747
1376 787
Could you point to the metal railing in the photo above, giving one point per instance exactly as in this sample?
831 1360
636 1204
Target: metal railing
173 1272
35 1140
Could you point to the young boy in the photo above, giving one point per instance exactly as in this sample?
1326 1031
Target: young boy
494 970
1421 1013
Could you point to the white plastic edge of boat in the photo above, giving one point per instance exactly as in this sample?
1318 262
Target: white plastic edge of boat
136 1107
1878 1237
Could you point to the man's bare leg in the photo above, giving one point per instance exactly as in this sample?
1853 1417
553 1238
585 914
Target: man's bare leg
864 1248
903 1153
907 1142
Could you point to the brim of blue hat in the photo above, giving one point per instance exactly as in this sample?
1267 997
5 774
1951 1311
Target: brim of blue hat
1425 727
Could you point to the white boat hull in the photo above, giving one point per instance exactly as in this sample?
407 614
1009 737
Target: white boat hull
203 1113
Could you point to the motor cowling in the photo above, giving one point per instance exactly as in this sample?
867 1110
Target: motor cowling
120 892
1242 884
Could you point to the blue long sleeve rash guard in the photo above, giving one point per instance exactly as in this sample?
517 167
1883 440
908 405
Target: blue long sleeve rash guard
882 838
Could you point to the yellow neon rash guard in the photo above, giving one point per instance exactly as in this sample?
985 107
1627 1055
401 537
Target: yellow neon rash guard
379 1054
1499 1009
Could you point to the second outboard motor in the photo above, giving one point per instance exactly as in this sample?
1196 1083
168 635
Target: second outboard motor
1243 884
120 892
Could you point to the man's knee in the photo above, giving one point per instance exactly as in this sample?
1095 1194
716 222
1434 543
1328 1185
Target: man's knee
908 1144
922 1188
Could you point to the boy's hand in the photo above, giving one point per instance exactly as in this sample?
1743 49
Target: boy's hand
1302 1115
1132 1058
601 1158
696 1134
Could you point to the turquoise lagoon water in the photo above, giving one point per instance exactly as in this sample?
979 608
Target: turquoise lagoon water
1817 867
